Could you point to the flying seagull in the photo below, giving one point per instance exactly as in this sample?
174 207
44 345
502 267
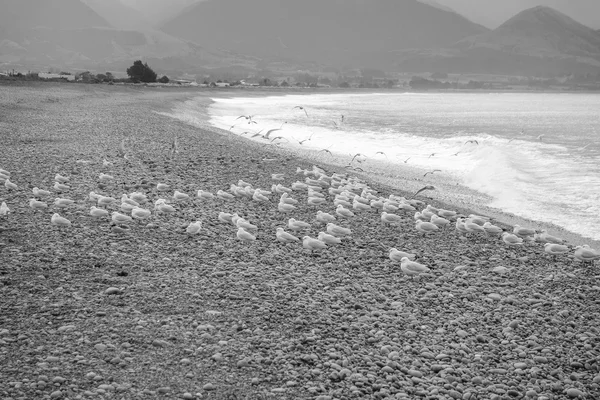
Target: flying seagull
431 172
431 155
472 141
428 187
302 141
381 152
356 155
326 151
406 161
302 108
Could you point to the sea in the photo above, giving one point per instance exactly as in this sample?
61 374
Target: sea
534 155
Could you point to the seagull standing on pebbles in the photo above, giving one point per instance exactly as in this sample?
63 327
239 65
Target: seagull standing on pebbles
224 195
205 195
283 207
98 212
555 249
37 205
324 217
584 253
61 179
295 225
343 212
328 239
390 218
492 229
511 240
9 185
312 243
61 187
140 213
4 210
119 218
285 237
245 236
412 268
337 230
397 255
523 232
426 227
105 177
57 220
194 228
179 196
40 193
63 203
162 187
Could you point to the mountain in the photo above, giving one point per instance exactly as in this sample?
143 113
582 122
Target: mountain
67 34
492 13
435 4
331 32
536 41
118 14
158 12
21 15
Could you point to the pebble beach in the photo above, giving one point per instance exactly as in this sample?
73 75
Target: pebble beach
91 310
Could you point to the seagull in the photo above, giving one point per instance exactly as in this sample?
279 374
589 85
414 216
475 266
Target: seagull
225 217
140 213
4 210
381 152
105 177
285 198
106 200
57 220
428 187
258 196
431 155
555 249
357 205
63 203
298 225
582 253
301 108
242 223
139 197
162 187
357 155
106 163
431 172
285 207
471 141
60 187
119 218
120 229
4 172
406 161
98 212
175 146
278 177
60 178
37 205
324 217
302 141
439 221
511 240
315 201
224 195
546 237
397 255
328 239
312 244
126 207
337 230
539 137
326 151
179 196
278 137
473 227
194 228
412 268
492 229
343 212
390 218
283 236
523 232
9 185
244 235
205 195
266 136
426 227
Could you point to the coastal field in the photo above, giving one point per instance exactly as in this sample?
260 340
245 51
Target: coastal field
90 310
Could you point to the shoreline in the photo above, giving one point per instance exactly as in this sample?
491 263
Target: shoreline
409 179
89 310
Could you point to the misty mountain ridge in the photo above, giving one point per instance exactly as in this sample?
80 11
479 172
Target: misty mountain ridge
540 31
69 34
536 41
332 32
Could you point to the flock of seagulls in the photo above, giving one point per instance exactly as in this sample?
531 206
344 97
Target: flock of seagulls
349 196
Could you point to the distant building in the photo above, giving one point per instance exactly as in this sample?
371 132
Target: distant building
222 84
44 75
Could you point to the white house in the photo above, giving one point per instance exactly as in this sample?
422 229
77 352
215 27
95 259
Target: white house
44 75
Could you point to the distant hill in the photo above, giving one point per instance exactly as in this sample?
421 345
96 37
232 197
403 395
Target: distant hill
157 12
118 14
539 40
67 34
56 14
333 32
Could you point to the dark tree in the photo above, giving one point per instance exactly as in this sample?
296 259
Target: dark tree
164 79
140 72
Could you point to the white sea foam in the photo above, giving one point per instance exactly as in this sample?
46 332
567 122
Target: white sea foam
551 180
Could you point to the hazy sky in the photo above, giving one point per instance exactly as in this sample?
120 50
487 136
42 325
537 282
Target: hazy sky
492 13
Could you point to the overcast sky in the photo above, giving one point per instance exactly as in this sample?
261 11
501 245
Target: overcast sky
492 13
